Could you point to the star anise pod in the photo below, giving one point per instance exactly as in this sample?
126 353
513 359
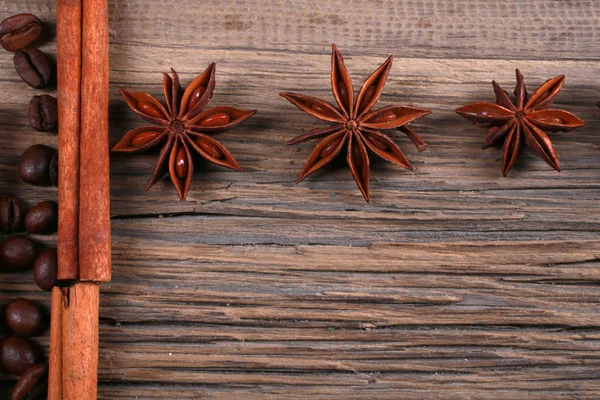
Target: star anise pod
355 127
520 123
182 127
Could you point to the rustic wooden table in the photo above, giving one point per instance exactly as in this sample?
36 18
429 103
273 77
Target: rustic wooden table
453 283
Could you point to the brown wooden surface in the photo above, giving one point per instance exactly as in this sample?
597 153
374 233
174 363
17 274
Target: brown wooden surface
454 283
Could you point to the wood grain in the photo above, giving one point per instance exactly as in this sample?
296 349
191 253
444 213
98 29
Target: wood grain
453 283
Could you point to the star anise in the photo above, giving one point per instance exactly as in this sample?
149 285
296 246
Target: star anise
184 125
520 123
355 126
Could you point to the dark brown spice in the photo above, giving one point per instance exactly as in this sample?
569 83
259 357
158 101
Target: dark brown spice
183 127
42 218
39 165
355 127
33 384
43 113
20 31
33 67
521 122
18 354
11 214
17 254
23 317
45 269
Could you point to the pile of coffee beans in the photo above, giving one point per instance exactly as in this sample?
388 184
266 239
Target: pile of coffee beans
19 354
18 34
20 253
39 163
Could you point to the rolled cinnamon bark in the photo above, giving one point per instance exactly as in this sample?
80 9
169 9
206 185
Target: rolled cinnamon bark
80 342
94 192
55 357
84 219
68 52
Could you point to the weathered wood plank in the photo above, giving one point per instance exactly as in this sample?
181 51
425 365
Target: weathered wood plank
453 283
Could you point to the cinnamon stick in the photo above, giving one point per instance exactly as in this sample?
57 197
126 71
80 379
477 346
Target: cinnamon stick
80 341
55 356
85 233
68 49
94 215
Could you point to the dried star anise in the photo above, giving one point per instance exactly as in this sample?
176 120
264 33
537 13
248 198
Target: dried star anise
521 122
355 125
183 126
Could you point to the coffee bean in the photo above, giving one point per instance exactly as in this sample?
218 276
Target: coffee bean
33 384
17 254
45 269
11 214
18 354
43 113
23 317
33 67
20 31
39 165
42 218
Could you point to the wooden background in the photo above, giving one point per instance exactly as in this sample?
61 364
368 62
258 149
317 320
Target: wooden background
453 283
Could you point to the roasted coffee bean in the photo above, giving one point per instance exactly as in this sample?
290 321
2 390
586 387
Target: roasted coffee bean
33 384
45 269
11 214
42 218
33 67
18 354
20 31
43 113
17 254
39 165
23 317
